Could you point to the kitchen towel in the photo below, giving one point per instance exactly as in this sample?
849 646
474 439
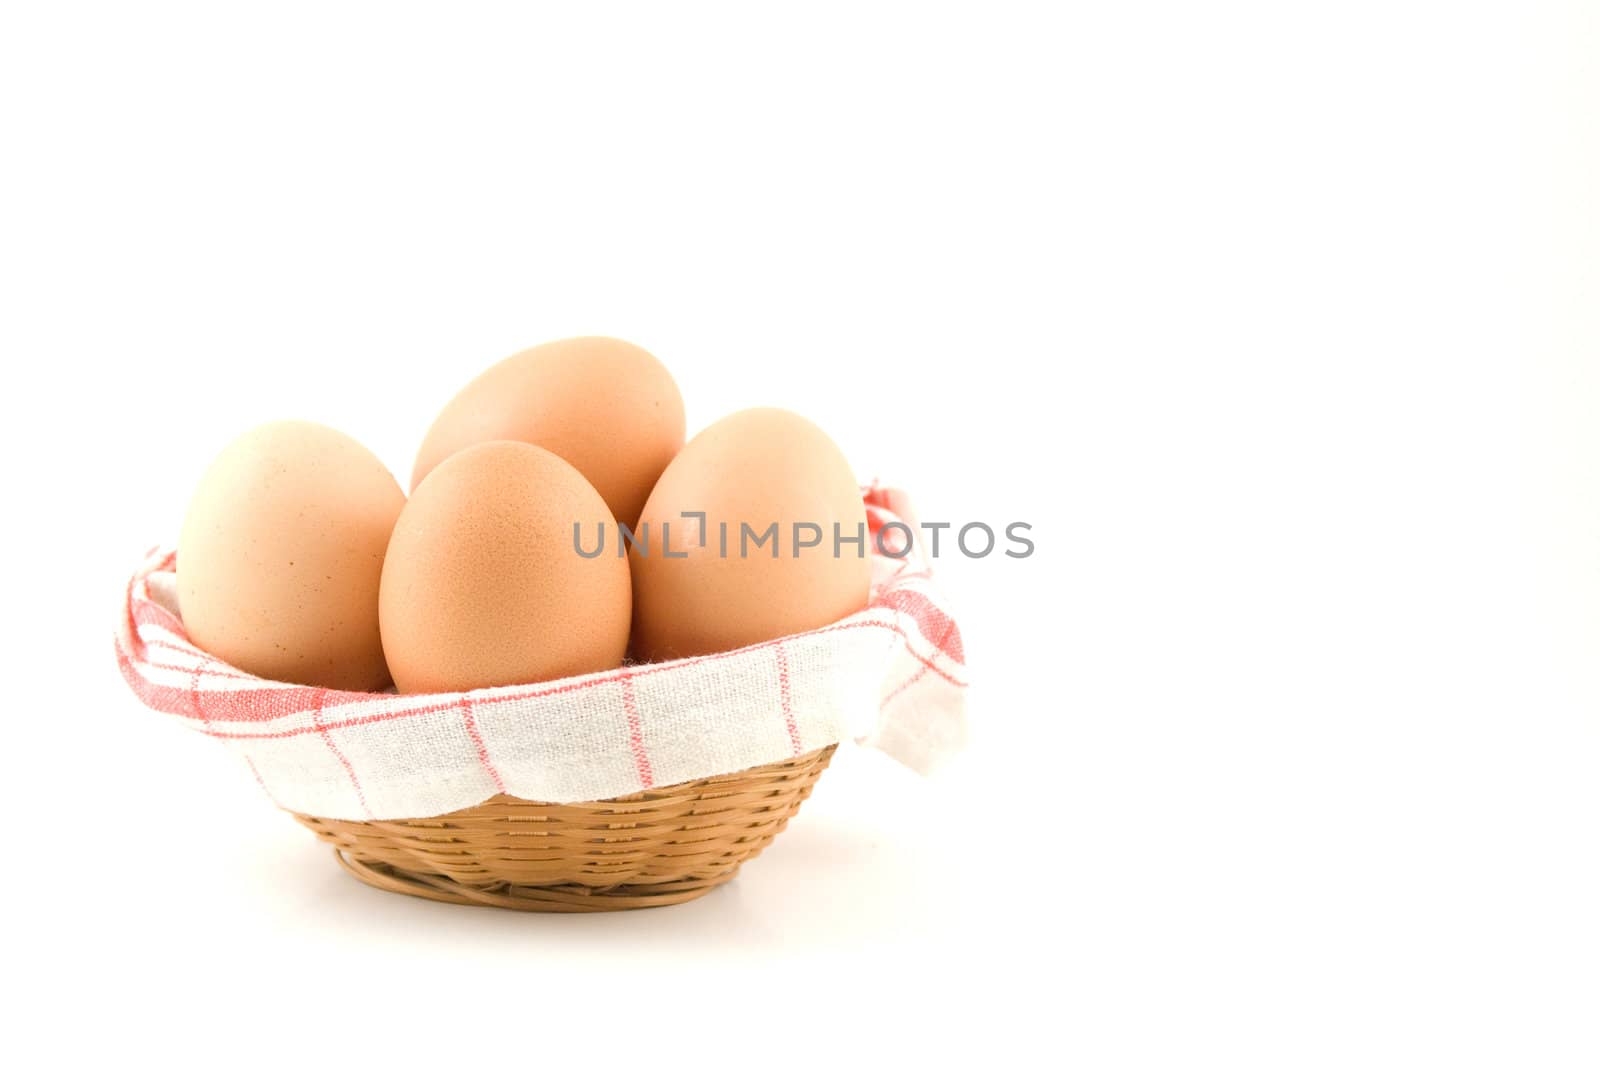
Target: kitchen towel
892 676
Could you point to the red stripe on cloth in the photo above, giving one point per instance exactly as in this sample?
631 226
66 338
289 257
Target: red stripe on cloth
205 672
349 723
146 612
194 699
931 621
785 700
135 681
898 545
922 671
209 667
477 742
327 738
641 761
184 702
126 626
236 705
920 574
181 648
578 686
257 775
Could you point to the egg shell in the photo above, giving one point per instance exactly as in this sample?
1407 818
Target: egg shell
755 467
606 406
483 585
280 556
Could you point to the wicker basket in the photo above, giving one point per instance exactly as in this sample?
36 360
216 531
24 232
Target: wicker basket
649 849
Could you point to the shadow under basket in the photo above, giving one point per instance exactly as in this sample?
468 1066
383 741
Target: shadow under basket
649 849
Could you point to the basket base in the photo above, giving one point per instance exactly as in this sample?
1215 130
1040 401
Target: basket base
648 849
570 899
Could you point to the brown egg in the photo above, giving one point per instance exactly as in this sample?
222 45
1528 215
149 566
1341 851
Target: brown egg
604 405
483 584
280 556
756 468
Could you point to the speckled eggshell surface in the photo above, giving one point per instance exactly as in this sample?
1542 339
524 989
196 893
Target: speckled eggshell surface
482 585
280 556
606 406
755 467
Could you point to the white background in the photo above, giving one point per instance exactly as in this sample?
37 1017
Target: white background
1278 324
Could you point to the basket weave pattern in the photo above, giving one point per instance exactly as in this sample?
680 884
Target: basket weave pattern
662 846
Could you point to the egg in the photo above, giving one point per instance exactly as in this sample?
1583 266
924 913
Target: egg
484 584
606 406
280 556
706 585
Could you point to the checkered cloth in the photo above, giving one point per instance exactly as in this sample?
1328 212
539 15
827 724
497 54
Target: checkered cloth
892 676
